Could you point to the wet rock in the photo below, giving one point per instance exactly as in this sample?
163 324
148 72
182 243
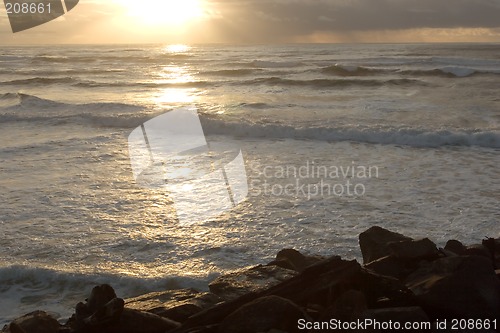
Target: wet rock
238 283
177 305
402 316
105 315
99 296
383 291
134 321
457 287
322 281
388 266
263 315
293 259
348 307
478 250
455 247
414 249
13 328
404 257
374 243
34 322
493 245
101 310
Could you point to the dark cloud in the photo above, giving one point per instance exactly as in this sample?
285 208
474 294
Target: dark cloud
271 21
268 19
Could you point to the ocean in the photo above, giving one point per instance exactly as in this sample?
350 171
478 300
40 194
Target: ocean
334 139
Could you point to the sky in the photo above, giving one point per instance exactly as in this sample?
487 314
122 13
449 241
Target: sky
265 21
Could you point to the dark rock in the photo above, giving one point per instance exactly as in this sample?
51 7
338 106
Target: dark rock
374 243
134 321
402 315
13 328
457 287
293 259
478 250
389 266
204 329
326 279
404 257
177 305
348 307
104 312
414 249
34 322
101 311
455 247
283 264
106 315
238 283
99 296
264 314
493 245
446 253
382 291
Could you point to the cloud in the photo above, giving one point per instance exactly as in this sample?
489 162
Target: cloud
275 21
281 20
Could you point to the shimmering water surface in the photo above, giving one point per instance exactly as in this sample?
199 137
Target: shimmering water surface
335 138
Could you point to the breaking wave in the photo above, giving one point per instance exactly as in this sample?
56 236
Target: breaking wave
121 115
32 288
335 83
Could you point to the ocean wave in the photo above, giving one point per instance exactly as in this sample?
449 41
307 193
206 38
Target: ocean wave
8 100
55 59
30 101
274 64
347 70
25 288
63 71
9 96
114 57
119 115
76 82
48 278
231 72
450 71
447 71
8 58
40 81
415 137
96 84
464 62
259 106
111 121
335 83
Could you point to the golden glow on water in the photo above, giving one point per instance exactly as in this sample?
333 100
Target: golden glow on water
175 75
176 95
182 254
177 48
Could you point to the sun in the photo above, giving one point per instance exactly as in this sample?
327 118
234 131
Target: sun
164 12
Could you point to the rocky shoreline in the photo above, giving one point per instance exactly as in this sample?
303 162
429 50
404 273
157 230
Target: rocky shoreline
403 285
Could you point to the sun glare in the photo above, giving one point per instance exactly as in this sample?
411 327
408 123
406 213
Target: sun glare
177 48
164 12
